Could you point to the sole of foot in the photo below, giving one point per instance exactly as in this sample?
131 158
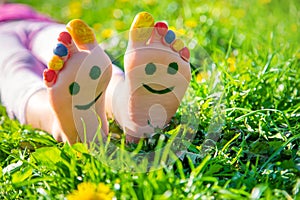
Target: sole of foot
157 74
77 77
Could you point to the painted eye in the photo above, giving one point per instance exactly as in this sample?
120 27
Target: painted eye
95 72
173 68
74 88
150 69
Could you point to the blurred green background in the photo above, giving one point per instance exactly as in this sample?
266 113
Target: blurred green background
212 23
254 44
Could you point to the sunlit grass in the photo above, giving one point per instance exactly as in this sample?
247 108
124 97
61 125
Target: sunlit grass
250 152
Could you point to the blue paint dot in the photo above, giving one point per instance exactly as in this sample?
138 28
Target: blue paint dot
60 50
170 37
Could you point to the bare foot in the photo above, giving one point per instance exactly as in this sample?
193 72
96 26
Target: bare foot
157 74
76 78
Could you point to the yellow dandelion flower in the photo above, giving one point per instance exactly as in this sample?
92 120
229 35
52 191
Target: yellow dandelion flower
245 77
264 1
240 13
119 25
191 23
231 64
91 191
75 9
298 55
172 28
294 27
150 2
107 33
202 77
97 26
178 32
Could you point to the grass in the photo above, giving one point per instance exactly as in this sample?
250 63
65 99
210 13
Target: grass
242 143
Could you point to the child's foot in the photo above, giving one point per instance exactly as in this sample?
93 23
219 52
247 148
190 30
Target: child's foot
157 74
76 78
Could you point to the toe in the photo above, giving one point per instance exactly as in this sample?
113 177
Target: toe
82 34
177 45
49 77
141 28
56 63
63 50
61 53
185 54
160 30
169 37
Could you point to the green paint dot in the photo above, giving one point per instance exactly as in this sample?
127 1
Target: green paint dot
150 69
95 72
173 68
74 88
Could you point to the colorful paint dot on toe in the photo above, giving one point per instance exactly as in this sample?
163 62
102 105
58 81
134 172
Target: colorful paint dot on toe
56 63
65 38
142 20
185 54
170 37
60 50
81 32
177 45
161 28
50 75
142 27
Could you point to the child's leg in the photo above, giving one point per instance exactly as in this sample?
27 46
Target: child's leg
21 81
20 78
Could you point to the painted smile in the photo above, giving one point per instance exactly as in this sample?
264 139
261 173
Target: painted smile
164 91
87 106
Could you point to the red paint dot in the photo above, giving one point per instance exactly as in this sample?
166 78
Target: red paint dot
162 28
185 53
49 75
65 37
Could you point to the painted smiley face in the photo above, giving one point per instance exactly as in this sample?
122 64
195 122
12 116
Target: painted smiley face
74 88
150 69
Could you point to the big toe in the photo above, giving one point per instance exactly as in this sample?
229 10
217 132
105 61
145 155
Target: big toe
82 34
141 29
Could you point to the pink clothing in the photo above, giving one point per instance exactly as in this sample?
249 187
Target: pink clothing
20 69
10 12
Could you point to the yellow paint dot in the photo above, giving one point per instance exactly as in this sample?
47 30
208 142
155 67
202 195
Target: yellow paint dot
56 63
178 45
81 32
142 20
142 27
